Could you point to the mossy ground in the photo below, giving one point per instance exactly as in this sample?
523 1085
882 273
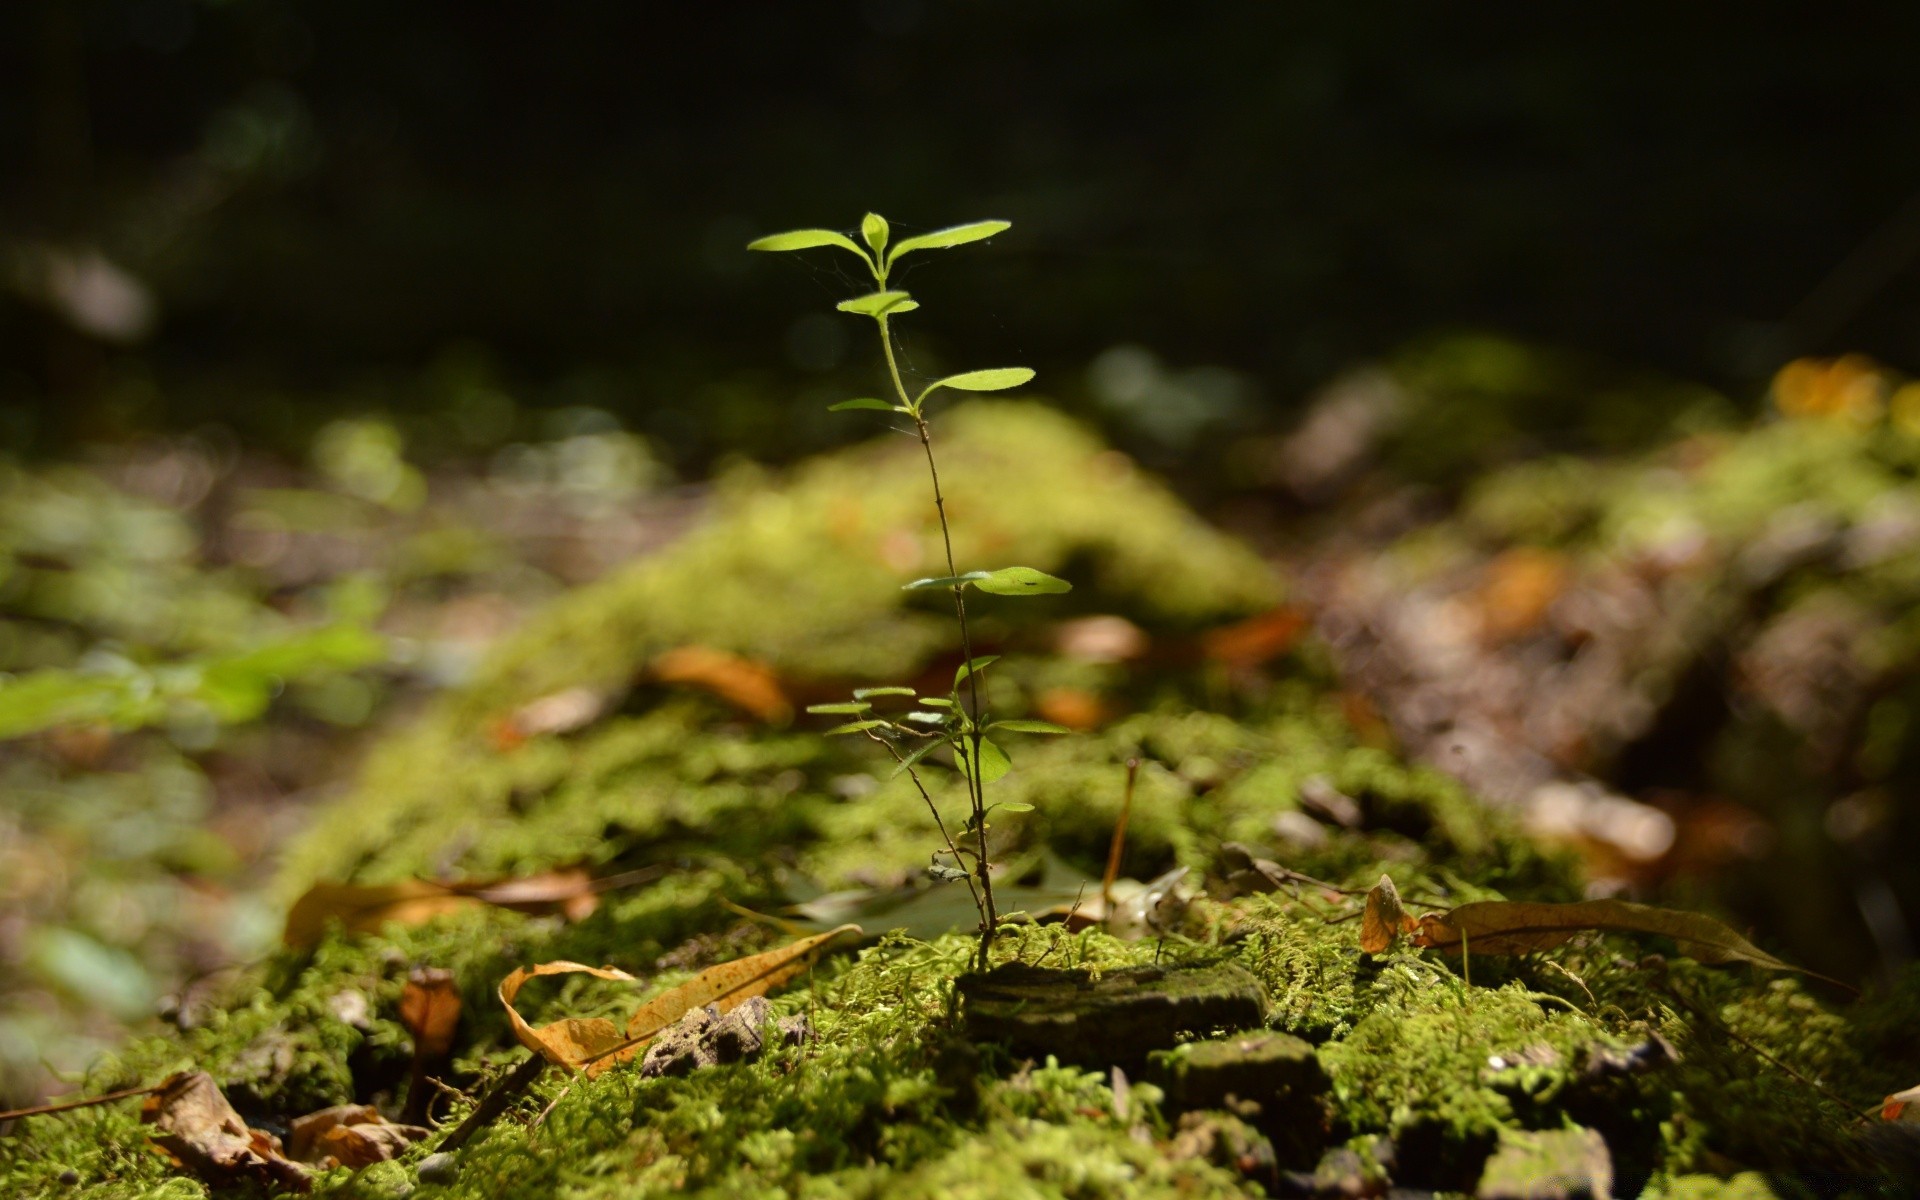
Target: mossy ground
890 1100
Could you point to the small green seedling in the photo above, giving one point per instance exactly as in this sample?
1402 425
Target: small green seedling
933 722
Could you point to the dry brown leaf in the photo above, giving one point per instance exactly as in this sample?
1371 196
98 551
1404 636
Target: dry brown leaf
1520 927
568 1042
594 1044
742 682
430 1010
197 1126
364 908
561 712
571 891
1256 640
1384 919
350 1135
1902 1106
1076 708
1521 586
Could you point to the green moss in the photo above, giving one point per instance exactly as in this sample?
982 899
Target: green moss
890 1100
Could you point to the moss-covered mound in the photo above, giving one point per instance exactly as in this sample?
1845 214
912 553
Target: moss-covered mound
1421 1076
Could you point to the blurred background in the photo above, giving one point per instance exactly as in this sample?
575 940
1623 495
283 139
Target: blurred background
1560 363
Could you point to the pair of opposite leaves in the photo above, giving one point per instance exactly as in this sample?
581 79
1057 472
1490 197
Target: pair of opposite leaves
593 1044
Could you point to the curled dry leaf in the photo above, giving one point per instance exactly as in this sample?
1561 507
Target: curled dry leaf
1902 1106
742 682
572 1040
430 1010
364 908
1520 927
195 1125
1384 919
593 1044
349 1135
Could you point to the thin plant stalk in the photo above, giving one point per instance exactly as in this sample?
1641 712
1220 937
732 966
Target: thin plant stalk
976 789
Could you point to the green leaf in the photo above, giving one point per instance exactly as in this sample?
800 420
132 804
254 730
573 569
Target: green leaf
805 239
1021 581
864 402
842 707
955 235
926 749
875 304
873 227
927 718
889 690
1030 727
993 379
1013 806
853 727
967 668
936 701
944 581
994 762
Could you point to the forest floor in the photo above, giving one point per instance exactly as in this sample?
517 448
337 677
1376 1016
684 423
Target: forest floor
1675 674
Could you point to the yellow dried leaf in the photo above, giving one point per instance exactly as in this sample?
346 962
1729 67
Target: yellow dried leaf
568 1042
1384 919
1520 927
363 908
593 1044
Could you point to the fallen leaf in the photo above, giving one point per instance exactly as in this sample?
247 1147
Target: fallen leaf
364 908
573 1040
1902 1106
199 1128
1100 639
1521 586
725 986
430 1011
1520 927
1256 640
1076 708
561 712
594 1044
349 1135
742 682
571 891
1384 919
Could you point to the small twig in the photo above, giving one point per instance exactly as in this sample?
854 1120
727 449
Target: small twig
562 1095
442 1090
1723 1027
496 1102
932 808
69 1105
1581 982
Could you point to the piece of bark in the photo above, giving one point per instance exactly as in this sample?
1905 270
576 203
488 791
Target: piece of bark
708 1038
1117 1019
195 1124
1274 1079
